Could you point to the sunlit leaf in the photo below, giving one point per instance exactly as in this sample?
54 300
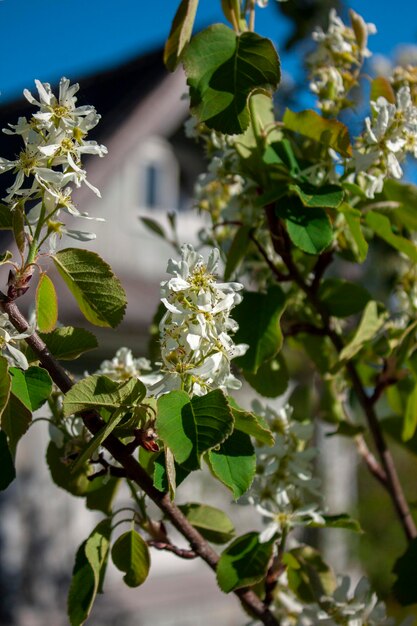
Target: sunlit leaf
223 69
99 294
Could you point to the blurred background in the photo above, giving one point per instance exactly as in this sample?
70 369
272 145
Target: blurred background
115 52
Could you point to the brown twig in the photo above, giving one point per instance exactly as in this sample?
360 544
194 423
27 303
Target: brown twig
134 471
169 547
280 276
391 482
371 462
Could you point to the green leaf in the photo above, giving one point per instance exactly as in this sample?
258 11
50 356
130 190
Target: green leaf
382 88
243 563
354 233
100 498
5 256
406 196
96 441
309 228
6 217
153 226
342 521
251 424
405 587
381 225
212 523
237 250
5 383
329 196
370 324
76 483
309 577
410 417
342 298
98 292
15 421
32 386
7 469
66 343
130 554
223 69
328 132
160 475
262 107
234 463
101 391
88 573
271 380
46 304
258 316
190 428
180 33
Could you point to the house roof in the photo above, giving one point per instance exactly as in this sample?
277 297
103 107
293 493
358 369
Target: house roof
114 92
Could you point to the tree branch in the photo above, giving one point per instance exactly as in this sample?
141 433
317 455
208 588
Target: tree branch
134 471
391 482
169 547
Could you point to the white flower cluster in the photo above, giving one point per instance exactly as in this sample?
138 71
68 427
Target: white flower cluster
390 134
10 342
196 345
123 366
54 141
335 63
361 608
285 490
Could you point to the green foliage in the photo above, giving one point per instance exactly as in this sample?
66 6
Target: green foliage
191 427
308 227
88 572
251 424
405 568
244 562
15 421
327 132
381 226
130 554
96 289
101 391
6 217
66 343
271 380
237 250
342 298
371 322
46 304
329 196
32 386
258 316
234 463
309 576
212 523
180 34
63 474
223 70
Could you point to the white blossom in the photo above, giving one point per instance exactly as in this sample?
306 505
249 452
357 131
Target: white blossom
390 133
124 366
54 143
196 342
10 340
335 63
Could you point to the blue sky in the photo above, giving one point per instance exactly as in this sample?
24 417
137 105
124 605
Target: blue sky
46 39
